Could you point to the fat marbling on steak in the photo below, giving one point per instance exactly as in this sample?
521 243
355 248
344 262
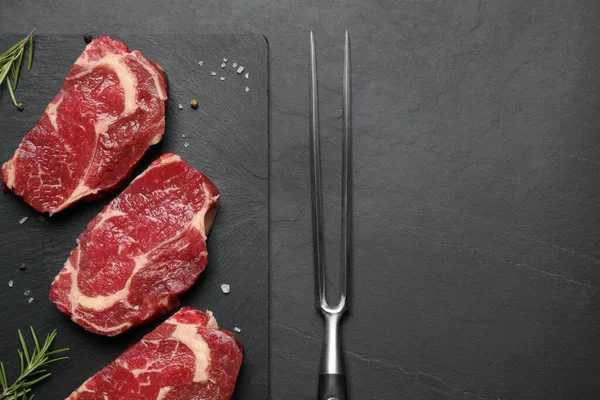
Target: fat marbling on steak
145 248
186 358
110 109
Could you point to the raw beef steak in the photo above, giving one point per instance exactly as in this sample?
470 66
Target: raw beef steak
144 249
110 109
186 358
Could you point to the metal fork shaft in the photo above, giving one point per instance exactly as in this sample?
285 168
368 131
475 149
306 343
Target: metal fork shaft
331 357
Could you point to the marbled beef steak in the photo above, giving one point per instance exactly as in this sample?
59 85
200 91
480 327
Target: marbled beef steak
145 248
186 358
110 109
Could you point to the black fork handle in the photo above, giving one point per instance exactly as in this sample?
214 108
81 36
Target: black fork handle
332 387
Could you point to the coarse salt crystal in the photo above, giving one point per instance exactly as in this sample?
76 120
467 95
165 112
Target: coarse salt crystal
247 89
200 63
22 220
26 293
222 78
240 70
224 60
238 330
186 144
223 65
180 106
10 283
184 135
213 73
247 75
30 300
225 288
234 65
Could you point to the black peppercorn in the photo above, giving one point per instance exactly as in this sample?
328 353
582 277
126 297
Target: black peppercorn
87 38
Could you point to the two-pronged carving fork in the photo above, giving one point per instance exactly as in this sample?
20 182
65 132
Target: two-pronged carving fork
332 378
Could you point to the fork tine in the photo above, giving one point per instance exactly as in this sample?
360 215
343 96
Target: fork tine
346 172
316 178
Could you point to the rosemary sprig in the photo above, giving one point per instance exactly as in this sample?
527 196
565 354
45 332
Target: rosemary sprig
34 366
11 60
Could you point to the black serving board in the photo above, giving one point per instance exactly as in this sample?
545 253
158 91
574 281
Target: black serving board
227 139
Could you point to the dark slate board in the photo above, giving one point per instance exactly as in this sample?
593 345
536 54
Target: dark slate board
228 141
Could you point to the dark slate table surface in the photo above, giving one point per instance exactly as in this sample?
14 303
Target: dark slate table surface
476 168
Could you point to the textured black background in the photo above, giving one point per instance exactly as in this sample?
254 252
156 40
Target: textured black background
476 268
227 139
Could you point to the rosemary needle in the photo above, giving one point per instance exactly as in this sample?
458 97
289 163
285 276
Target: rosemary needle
10 62
34 364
